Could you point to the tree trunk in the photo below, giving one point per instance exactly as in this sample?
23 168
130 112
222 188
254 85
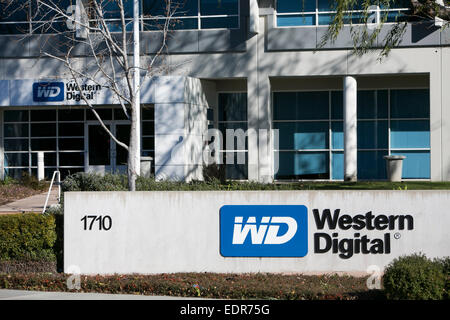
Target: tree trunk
133 150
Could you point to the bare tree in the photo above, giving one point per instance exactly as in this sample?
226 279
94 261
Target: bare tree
366 34
104 29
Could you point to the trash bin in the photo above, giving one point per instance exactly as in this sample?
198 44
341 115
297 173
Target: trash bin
394 166
146 166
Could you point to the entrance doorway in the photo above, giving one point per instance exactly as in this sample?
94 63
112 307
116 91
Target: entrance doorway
103 154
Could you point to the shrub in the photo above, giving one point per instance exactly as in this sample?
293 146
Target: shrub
414 277
445 265
95 182
27 237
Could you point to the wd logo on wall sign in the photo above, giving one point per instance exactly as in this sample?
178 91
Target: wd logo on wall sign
263 231
48 91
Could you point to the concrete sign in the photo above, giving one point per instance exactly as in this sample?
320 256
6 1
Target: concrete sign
251 231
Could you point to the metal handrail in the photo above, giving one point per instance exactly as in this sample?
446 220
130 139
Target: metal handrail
50 188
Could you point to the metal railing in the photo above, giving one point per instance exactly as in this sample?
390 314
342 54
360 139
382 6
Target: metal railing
58 183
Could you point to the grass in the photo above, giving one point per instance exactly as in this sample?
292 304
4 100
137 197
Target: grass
206 285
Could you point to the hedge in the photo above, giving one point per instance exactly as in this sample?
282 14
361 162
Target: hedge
415 277
27 237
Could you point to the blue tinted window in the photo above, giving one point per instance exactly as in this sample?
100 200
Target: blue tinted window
308 165
14 10
302 135
372 104
225 22
154 7
311 135
372 134
371 165
337 105
337 135
111 9
416 165
337 163
219 7
326 5
410 134
410 103
313 105
284 106
286 6
296 20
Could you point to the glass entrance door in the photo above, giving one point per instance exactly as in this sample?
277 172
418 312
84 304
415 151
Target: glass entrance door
104 155
122 132
99 149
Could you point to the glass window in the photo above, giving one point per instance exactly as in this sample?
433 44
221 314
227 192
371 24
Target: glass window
372 104
49 159
337 135
16 159
322 12
300 130
72 159
410 134
43 144
232 106
410 103
71 115
14 11
219 7
303 165
15 144
16 130
416 165
71 129
43 129
43 115
71 143
15 116
214 23
371 165
337 105
287 6
105 114
372 134
148 128
302 135
337 159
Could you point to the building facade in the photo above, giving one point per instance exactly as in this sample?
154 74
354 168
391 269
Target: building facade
240 64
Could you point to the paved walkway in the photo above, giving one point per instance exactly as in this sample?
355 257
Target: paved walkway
41 295
31 204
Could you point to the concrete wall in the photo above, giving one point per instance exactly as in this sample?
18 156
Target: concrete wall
156 232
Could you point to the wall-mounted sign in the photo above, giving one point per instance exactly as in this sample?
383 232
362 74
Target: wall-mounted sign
263 231
48 91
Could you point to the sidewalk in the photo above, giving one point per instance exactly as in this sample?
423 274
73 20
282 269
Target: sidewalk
31 204
6 294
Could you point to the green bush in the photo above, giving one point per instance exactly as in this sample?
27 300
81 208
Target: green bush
445 265
414 277
27 237
95 182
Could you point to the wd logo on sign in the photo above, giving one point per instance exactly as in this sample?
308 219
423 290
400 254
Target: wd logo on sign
48 91
263 231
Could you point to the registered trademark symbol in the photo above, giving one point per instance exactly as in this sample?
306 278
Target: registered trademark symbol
397 235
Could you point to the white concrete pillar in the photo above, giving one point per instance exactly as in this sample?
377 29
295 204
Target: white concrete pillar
350 132
40 158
